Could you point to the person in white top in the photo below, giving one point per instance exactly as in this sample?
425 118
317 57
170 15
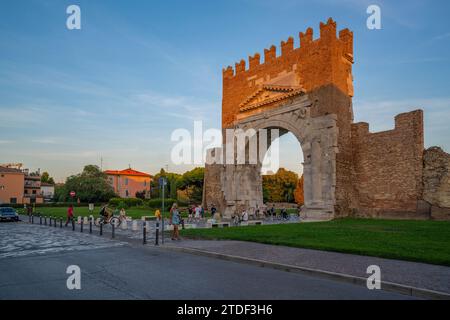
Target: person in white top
245 216
198 212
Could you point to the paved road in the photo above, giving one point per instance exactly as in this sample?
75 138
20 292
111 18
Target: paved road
419 275
34 258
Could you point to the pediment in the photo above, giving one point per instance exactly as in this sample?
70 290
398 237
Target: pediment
267 94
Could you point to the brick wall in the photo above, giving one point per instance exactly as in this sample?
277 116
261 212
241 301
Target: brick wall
388 166
316 63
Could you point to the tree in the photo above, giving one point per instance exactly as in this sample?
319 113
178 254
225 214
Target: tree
61 194
170 190
192 183
280 187
91 185
299 192
45 177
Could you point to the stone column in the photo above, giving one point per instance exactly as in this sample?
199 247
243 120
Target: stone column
316 173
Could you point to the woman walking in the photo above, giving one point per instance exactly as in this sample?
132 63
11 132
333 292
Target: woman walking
175 220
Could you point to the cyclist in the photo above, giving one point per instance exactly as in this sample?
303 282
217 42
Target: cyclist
106 213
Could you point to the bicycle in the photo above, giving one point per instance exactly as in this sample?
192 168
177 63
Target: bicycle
113 220
108 218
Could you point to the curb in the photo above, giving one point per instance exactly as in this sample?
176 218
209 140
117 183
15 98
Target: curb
386 286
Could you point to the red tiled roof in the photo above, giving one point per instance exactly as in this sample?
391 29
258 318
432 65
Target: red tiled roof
127 172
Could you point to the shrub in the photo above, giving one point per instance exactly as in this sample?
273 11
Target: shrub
128 202
50 205
157 203
122 205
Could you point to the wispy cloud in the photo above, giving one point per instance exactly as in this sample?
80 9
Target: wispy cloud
441 37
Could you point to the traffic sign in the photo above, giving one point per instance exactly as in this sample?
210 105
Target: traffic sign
162 181
72 193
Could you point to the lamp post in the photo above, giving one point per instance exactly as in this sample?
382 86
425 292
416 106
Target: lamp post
162 184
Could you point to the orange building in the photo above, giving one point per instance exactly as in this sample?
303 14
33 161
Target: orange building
126 183
11 185
18 186
32 188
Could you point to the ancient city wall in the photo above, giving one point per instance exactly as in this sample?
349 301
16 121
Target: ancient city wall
436 183
385 174
388 168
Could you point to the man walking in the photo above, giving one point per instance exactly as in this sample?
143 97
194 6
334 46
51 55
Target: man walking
69 215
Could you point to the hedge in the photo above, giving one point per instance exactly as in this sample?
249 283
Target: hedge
129 202
50 204
157 203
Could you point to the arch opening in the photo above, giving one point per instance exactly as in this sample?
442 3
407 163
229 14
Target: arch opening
282 169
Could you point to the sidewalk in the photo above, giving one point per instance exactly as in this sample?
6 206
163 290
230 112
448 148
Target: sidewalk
412 274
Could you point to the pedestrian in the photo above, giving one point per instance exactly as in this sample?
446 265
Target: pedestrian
202 211
197 213
69 215
213 210
123 215
244 216
175 220
284 214
272 211
190 210
158 215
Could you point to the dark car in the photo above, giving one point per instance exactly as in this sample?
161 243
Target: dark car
8 214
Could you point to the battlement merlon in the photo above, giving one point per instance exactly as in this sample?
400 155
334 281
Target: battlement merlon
327 38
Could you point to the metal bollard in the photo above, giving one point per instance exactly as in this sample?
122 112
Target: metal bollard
81 226
90 225
101 228
54 222
60 222
32 219
144 229
40 220
157 234
45 220
113 226
73 224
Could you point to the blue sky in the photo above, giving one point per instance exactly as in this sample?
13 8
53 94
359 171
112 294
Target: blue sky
137 70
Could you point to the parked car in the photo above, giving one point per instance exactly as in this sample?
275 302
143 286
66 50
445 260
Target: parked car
8 214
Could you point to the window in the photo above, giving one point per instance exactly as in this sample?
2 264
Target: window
126 193
126 181
145 183
13 200
34 191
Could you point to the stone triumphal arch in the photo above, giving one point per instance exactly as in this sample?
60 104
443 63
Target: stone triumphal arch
308 90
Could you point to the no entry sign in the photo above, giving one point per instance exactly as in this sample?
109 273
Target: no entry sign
72 193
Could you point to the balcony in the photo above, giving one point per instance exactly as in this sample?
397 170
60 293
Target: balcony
32 185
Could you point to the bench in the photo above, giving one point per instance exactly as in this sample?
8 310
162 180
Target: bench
220 225
254 222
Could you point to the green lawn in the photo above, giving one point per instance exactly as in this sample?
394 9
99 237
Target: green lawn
423 241
135 213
